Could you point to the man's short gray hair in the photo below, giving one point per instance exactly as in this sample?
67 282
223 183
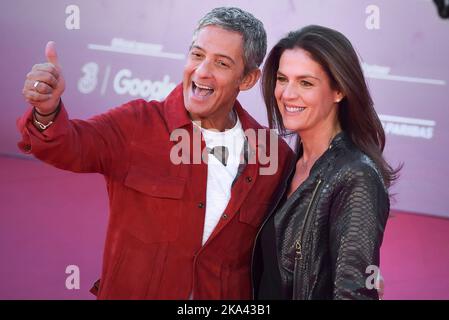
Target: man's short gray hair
238 20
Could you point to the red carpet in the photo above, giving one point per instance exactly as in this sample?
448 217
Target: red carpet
51 219
415 257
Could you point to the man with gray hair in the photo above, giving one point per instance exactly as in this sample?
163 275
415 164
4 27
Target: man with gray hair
178 228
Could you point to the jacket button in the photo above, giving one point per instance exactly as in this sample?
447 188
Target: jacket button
249 179
225 216
201 205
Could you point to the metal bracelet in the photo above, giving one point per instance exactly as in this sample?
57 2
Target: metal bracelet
41 125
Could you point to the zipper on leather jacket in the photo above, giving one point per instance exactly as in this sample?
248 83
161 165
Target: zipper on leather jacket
298 256
298 250
299 241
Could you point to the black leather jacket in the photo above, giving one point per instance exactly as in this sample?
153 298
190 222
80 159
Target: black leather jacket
330 229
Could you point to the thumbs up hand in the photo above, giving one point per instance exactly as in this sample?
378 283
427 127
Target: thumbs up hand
44 84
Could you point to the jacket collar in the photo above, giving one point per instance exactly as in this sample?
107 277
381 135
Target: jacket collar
339 142
174 111
340 138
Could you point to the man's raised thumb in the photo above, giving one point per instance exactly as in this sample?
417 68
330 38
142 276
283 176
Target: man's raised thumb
50 53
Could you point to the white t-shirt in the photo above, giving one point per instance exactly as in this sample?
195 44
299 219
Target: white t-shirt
219 176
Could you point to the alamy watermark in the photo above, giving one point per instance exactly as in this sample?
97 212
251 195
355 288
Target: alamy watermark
375 279
372 21
72 282
262 148
73 19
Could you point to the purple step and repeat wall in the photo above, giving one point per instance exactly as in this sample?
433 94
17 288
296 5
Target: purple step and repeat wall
115 51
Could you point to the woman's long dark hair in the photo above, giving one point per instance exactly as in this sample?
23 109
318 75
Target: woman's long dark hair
356 114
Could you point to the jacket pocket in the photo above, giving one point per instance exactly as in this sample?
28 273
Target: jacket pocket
147 181
153 204
135 273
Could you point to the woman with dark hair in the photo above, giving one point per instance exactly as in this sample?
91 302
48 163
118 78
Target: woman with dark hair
323 239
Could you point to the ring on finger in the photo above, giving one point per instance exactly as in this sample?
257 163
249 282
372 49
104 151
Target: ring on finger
36 83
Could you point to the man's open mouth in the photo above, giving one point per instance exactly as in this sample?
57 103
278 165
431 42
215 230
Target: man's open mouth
201 90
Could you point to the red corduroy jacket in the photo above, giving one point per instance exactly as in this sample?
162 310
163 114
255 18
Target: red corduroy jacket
153 247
